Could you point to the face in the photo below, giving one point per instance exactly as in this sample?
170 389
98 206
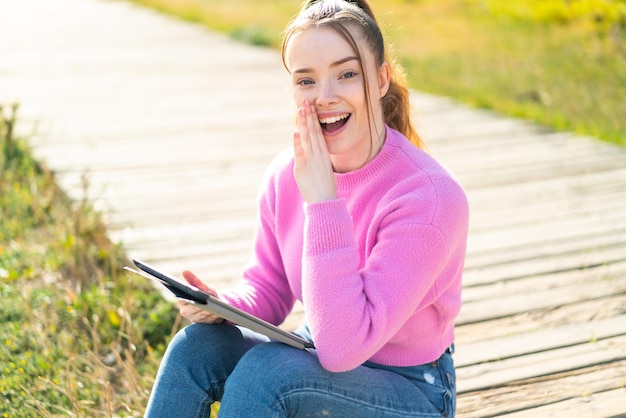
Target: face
324 70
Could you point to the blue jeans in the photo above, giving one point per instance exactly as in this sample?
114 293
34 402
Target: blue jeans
253 377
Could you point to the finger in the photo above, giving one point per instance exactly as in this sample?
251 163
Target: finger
187 311
311 125
193 280
197 315
315 130
297 149
305 142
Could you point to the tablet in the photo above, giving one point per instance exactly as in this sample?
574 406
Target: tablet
209 303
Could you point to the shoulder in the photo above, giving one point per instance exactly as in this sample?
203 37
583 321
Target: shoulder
423 185
282 162
279 168
419 168
278 179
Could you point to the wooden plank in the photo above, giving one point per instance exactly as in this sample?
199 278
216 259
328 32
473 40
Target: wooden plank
599 404
541 364
595 207
564 236
602 236
556 188
537 341
527 322
606 272
520 269
502 176
539 299
530 149
554 391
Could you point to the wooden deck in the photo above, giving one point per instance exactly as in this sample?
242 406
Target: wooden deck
172 125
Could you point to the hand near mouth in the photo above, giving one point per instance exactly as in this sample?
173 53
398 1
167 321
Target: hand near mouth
313 169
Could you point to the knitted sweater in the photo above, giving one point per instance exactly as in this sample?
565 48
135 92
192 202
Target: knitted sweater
378 269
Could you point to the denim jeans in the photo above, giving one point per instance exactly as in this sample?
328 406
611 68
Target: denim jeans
253 377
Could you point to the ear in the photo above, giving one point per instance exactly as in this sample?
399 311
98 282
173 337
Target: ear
384 79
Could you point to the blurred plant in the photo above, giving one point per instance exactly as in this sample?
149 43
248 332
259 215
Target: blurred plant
76 337
77 244
604 14
255 35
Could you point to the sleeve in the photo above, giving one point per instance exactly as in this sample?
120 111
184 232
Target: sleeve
353 312
264 290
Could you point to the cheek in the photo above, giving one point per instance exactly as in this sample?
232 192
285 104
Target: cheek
299 96
356 96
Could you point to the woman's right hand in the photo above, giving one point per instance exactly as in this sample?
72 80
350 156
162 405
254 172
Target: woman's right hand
313 169
192 312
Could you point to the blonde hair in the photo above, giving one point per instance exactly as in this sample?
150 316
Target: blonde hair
340 15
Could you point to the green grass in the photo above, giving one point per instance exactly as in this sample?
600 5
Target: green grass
75 337
561 63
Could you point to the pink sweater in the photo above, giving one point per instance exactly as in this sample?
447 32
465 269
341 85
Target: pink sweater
378 269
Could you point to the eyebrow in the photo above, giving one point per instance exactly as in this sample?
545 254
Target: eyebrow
334 64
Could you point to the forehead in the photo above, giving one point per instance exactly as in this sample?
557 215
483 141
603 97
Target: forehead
318 47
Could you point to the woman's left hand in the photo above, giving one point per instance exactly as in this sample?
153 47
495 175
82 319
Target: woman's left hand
313 169
191 311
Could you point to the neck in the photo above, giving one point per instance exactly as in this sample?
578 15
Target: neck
343 164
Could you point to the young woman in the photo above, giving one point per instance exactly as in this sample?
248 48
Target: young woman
362 226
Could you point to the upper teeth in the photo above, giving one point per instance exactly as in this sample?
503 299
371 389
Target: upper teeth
334 119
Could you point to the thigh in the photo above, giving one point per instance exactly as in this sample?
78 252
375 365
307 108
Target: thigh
275 380
212 349
195 367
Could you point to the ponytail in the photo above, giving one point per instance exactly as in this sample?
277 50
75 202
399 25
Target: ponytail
397 107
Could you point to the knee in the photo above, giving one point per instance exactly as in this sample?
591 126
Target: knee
211 345
201 341
189 340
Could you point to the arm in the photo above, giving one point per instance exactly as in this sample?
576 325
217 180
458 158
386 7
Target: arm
354 312
264 290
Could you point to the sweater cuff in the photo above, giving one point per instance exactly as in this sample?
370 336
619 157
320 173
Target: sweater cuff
327 227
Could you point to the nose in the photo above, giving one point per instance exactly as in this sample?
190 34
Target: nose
326 94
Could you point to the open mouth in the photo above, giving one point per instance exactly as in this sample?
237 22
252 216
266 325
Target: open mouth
333 123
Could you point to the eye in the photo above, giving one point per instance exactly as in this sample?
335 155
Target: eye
304 82
349 74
